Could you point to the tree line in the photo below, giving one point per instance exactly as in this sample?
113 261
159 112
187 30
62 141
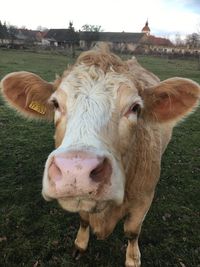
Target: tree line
4 31
191 40
7 31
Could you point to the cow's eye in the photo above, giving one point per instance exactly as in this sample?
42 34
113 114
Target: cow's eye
136 108
55 103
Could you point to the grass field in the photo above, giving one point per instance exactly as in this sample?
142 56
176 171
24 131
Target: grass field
36 233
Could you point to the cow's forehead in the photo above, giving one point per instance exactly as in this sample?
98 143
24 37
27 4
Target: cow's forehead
91 79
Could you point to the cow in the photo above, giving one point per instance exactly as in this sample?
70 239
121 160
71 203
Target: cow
113 121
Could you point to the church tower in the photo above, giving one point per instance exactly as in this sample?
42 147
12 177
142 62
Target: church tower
146 28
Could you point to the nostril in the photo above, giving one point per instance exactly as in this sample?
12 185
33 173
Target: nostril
96 174
102 172
55 173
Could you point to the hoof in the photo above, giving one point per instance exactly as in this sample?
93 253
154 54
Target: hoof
136 264
77 253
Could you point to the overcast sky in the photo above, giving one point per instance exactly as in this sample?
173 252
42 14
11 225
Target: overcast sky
166 17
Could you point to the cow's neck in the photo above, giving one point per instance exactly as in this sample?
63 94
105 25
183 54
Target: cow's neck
143 160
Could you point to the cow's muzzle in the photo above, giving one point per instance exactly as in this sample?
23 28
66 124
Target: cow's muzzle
78 174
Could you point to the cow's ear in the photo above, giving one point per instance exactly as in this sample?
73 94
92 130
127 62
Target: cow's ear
171 100
28 93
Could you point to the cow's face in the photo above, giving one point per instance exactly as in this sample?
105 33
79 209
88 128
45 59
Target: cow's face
96 106
95 113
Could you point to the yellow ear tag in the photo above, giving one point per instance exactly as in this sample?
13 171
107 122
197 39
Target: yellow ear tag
38 107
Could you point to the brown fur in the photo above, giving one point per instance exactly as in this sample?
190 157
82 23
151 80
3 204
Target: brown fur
141 146
104 60
20 88
171 99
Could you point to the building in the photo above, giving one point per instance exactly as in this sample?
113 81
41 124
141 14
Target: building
130 42
61 37
142 42
146 28
20 38
154 44
118 41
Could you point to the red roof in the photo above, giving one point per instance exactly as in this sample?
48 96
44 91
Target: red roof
146 27
159 41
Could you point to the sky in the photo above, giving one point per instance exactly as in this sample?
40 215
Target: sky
166 17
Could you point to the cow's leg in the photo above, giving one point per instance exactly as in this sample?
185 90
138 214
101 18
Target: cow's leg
132 227
83 235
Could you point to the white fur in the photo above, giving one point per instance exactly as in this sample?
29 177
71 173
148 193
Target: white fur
91 102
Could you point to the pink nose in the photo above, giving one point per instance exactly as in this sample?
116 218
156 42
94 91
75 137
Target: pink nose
78 173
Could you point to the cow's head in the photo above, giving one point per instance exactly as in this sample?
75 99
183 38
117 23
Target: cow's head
96 105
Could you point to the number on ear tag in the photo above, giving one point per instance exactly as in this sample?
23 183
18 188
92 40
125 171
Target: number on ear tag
38 107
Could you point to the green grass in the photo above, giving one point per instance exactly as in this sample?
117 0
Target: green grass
166 68
37 233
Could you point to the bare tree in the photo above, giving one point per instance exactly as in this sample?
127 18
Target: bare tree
74 37
178 40
12 31
198 28
193 40
91 28
3 32
91 33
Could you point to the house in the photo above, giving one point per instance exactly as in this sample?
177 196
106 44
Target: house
21 38
32 37
61 37
154 44
121 41
137 42
142 42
